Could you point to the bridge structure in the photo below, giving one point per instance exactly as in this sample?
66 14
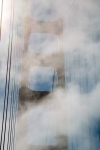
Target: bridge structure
30 78
42 60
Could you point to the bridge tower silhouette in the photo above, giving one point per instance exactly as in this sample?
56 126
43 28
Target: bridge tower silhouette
32 59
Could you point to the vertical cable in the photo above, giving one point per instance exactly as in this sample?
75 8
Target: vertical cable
8 78
11 127
17 51
5 88
10 121
10 118
7 93
15 97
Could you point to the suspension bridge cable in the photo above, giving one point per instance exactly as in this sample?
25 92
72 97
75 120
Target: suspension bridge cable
7 99
67 10
15 93
18 72
12 104
16 87
10 119
12 123
14 98
9 78
15 84
6 85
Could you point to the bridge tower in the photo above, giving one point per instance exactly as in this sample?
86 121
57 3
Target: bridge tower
42 60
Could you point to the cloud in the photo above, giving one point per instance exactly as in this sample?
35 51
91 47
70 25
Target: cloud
77 107
73 112
47 10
